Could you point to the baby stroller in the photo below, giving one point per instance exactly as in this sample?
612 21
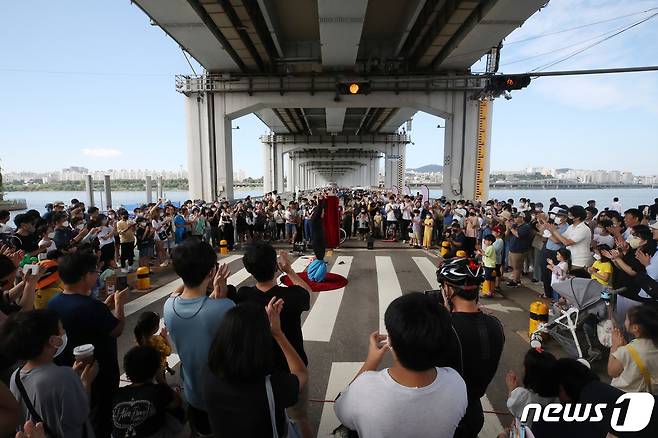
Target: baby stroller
576 324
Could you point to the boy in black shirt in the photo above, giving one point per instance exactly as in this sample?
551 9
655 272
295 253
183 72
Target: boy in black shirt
261 262
145 408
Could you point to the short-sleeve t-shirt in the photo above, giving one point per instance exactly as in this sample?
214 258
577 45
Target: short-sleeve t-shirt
489 258
631 380
58 397
140 409
522 243
603 268
297 300
499 247
242 410
27 243
89 321
428 412
581 235
192 325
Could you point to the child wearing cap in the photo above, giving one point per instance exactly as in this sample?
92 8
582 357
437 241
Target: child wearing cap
48 286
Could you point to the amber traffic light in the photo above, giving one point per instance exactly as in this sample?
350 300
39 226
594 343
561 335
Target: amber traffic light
509 82
354 88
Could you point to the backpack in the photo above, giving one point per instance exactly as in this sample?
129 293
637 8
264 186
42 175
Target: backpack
398 213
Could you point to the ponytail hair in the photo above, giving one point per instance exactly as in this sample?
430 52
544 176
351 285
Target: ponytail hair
147 325
646 316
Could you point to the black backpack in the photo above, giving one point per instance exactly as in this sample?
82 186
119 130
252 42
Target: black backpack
398 213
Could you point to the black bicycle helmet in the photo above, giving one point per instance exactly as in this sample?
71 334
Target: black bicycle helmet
463 272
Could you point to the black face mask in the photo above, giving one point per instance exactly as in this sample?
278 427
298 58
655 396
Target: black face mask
570 221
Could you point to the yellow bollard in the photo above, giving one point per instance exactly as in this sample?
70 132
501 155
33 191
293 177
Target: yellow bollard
223 247
445 248
143 278
538 315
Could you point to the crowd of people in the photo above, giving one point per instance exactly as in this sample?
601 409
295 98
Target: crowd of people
244 367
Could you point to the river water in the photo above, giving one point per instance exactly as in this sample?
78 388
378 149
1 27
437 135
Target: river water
629 197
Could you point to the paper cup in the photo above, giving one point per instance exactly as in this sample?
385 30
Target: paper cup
84 353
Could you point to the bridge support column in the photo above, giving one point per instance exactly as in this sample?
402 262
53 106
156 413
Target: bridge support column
295 174
278 168
466 148
223 138
290 186
267 168
209 147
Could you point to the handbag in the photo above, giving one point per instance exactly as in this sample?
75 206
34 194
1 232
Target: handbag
30 407
293 430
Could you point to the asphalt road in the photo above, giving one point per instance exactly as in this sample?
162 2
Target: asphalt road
336 328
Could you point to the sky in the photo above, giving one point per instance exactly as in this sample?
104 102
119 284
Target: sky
91 83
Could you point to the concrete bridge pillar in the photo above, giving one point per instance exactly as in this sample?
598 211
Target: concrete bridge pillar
209 147
267 168
290 186
278 168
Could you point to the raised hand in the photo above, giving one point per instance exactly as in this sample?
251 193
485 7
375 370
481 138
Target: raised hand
220 289
273 310
284 263
377 347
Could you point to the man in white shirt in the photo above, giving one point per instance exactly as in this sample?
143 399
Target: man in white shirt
414 398
577 238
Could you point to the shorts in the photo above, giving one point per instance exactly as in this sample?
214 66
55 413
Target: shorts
299 411
489 273
516 260
499 270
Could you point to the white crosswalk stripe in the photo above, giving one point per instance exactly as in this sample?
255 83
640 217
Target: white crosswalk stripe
388 286
341 375
428 270
319 324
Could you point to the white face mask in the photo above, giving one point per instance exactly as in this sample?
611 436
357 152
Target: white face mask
63 346
634 242
51 235
65 223
558 220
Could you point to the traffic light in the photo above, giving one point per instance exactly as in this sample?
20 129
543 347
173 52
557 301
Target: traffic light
354 88
509 82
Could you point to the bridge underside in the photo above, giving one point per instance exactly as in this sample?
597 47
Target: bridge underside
283 61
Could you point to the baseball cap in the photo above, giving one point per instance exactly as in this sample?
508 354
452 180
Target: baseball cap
558 210
505 214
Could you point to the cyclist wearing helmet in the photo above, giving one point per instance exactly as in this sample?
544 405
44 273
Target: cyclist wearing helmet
481 336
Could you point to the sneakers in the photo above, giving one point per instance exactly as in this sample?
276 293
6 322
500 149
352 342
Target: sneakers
513 283
164 264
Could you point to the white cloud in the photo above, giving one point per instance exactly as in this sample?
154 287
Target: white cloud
101 152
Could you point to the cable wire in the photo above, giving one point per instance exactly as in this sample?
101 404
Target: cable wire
542 35
577 52
550 52
471 52
188 60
